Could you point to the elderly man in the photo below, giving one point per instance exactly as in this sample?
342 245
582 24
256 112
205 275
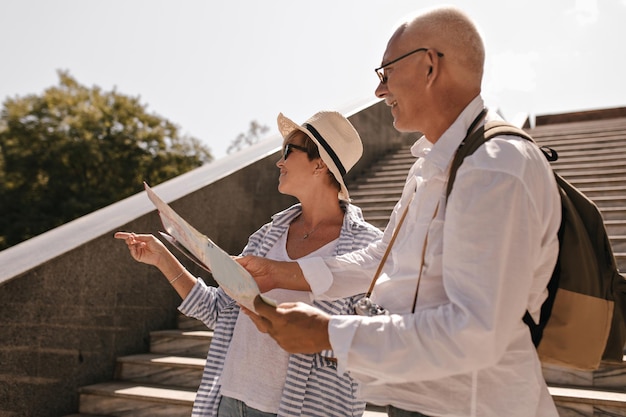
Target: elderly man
480 258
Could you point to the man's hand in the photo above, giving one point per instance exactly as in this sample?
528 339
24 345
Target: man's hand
270 274
261 270
296 327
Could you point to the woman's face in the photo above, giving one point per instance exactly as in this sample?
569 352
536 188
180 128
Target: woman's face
296 169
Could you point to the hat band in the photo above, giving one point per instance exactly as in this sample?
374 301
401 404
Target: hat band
327 148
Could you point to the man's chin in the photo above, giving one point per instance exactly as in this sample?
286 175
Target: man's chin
400 127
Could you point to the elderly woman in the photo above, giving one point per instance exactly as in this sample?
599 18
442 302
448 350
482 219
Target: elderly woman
247 373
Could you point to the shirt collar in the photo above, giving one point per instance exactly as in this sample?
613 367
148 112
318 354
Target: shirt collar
441 153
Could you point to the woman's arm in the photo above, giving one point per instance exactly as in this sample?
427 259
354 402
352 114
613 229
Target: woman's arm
149 250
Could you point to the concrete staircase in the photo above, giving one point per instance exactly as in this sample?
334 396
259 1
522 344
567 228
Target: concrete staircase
163 382
592 157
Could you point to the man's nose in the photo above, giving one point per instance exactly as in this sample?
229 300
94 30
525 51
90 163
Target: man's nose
381 91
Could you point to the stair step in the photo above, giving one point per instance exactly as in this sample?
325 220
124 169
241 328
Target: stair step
366 189
189 323
390 170
127 399
120 398
377 212
594 182
613 213
601 191
138 400
588 402
585 150
381 181
159 369
375 411
367 200
609 201
589 158
610 376
615 227
618 243
600 177
194 343
590 142
583 129
571 173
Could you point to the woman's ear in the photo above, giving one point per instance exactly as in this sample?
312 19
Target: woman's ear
320 165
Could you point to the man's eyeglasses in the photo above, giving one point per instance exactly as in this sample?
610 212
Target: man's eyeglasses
380 71
289 147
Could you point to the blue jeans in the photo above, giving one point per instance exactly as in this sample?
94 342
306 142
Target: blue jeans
230 407
397 412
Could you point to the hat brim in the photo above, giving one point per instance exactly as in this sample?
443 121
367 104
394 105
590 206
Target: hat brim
286 126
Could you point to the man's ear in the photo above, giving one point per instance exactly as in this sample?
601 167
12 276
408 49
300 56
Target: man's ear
433 68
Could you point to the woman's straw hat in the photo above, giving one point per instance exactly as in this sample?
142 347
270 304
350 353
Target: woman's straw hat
337 141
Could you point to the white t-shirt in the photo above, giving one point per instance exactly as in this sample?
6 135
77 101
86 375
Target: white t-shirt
256 367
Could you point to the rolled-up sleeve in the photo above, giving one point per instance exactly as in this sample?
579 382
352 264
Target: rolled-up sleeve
332 278
316 274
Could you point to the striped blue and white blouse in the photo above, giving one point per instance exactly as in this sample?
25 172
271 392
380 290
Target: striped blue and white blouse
313 387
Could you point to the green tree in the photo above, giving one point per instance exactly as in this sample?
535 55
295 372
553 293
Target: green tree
74 149
253 135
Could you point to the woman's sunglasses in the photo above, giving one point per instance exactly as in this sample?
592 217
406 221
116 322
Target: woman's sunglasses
290 147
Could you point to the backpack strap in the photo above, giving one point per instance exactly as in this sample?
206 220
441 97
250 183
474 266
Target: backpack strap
480 136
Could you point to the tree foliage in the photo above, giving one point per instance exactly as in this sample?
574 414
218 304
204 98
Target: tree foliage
243 140
74 149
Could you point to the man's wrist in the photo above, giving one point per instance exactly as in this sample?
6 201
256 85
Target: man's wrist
288 275
326 340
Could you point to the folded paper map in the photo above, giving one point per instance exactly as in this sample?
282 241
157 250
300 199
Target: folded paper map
231 277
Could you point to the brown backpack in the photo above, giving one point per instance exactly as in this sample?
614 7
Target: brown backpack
583 320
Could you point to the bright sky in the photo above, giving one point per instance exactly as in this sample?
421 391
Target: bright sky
213 66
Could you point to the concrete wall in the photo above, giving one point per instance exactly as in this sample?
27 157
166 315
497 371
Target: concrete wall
73 300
